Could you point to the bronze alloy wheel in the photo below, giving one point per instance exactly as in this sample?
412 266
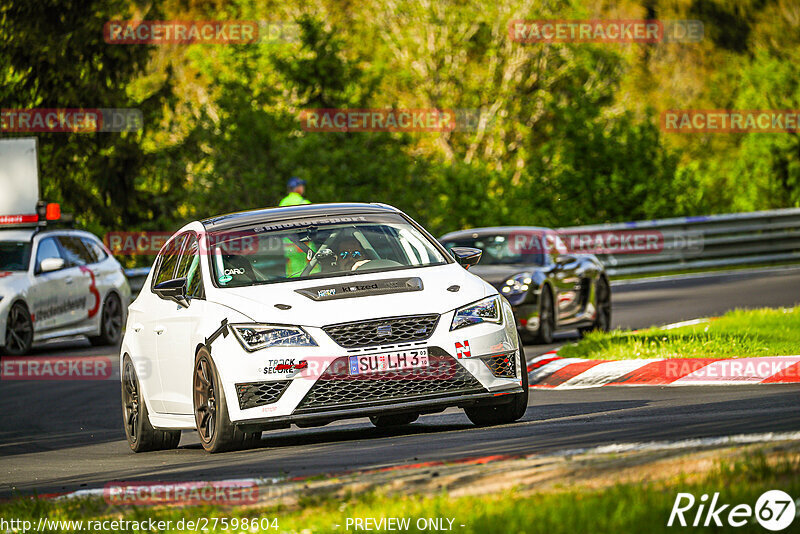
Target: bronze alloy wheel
205 400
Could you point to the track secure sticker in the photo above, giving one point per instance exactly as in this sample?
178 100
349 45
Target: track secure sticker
462 349
225 278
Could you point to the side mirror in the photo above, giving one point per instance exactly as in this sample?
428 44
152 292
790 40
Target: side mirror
174 290
564 259
48 265
466 256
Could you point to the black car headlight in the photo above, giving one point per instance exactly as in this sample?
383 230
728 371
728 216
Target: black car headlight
261 336
484 311
517 285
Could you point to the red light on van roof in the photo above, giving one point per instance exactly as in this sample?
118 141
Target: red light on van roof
53 212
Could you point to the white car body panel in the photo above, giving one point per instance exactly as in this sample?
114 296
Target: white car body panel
63 303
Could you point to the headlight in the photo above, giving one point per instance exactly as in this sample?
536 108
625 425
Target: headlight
483 311
517 284
261 336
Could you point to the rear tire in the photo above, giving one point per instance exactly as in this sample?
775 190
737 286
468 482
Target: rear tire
141 435
544 336
385 421
110 322
504 413
602 321
19 330
214 427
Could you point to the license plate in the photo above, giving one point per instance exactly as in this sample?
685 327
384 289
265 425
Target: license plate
389 361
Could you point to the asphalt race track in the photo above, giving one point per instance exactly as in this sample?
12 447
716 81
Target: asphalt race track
60 436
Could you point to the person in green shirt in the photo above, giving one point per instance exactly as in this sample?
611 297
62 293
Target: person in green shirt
297 188
296 259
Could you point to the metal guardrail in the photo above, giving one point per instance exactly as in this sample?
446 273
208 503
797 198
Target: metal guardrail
713 241
136 278
759 237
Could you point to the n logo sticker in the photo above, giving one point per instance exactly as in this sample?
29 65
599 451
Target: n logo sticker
462 349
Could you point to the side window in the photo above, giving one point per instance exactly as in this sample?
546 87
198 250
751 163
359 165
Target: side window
94 248
189 268
48 248
168 259
75 250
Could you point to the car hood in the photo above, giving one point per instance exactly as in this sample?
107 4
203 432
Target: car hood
302 303
12 282
498 274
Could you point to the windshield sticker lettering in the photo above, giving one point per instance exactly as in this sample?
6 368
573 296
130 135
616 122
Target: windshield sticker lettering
315 222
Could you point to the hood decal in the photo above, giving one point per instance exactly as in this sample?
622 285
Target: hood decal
362 289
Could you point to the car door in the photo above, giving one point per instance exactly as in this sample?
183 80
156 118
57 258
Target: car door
565 279
81 262
177 325
146 320
52 295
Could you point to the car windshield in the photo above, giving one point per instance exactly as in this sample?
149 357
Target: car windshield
14 255
317 248
504 249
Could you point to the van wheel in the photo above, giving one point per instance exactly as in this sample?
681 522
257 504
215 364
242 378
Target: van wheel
217 433
140 433
110 322
19 330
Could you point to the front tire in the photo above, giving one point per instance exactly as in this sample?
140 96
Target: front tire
141 435
217 433
504 413
110 322
19 330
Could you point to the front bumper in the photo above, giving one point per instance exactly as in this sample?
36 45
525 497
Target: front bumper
484 369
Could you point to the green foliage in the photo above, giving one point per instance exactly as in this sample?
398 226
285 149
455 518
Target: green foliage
571 132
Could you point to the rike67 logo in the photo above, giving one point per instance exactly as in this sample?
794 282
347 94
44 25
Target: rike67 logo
774 510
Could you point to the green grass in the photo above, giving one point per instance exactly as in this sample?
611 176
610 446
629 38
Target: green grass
628 508
740 333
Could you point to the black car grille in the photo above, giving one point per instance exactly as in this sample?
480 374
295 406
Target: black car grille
337 389
260 393
502 365
383 331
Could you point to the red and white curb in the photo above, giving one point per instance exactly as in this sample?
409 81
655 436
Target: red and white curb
551 371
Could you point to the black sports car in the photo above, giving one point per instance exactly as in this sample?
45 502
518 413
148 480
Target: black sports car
549 288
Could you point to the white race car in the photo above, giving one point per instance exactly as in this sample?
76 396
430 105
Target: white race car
57 283
309 314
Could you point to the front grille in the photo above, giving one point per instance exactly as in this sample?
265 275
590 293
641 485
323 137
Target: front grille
383 331
337 389
502 365
260 393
